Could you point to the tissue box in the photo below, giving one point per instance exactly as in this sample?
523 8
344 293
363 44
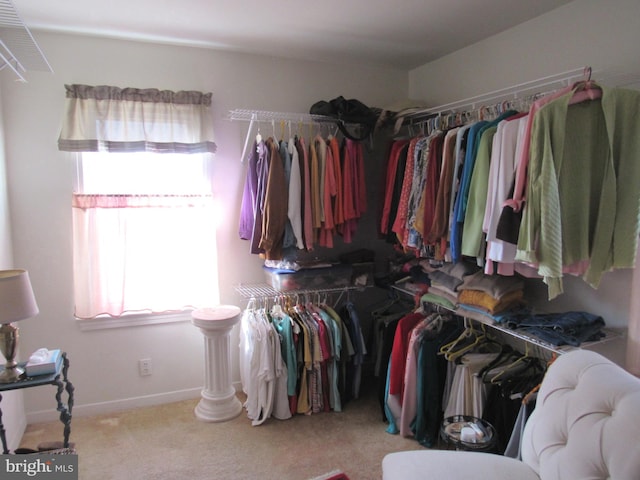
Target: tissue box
50 365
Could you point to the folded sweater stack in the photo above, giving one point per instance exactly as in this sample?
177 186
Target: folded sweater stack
464 283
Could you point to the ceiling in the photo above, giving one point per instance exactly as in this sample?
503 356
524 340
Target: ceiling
401 33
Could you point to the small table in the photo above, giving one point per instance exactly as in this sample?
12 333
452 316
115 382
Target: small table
480 434
47 379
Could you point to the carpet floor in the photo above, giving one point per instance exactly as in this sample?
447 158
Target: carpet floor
168 442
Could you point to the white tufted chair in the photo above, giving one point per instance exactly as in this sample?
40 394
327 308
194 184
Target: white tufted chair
586 425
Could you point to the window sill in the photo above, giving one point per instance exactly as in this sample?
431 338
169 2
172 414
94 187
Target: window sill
132 321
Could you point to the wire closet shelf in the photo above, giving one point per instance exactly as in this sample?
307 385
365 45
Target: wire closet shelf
18 49
267 116
263 290
282 118
524 92
532 87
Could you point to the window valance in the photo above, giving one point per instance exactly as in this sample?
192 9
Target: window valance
113 119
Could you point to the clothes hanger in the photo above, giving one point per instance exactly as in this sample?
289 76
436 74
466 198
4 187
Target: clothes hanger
251 304
280 306
517 366
463 336
532 393
384 305
452 355
491 370
585 89
435 321
488 344
465 342
479 339
504 356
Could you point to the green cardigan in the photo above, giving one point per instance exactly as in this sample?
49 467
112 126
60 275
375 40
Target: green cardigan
583 190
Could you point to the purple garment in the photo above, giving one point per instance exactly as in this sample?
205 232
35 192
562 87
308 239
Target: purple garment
248 206
262 169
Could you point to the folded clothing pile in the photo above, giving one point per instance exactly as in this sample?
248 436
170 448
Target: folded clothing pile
491 293
564 328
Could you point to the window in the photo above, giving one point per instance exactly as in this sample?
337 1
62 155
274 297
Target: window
143 234
143 213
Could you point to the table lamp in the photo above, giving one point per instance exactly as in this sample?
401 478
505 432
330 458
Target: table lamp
17 302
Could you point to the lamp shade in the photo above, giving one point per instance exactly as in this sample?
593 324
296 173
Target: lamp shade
17 301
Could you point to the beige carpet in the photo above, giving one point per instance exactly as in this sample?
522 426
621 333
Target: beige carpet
169 442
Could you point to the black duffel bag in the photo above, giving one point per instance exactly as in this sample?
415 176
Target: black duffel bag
349 113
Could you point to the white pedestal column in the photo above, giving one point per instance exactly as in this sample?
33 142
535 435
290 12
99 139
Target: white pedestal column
219 401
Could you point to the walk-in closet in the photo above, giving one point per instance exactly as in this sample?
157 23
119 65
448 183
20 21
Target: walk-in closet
393 285
461 229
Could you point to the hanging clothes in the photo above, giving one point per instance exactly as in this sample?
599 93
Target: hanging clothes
472 236
263 371
506 409
353 374
300 195
288 331
249 197
397 156
427 208
328 227
275 206
400 222
294 210
299 359
307 211
260 158
416 375
595 144
354 187
584 135
438 232
431 383
508 146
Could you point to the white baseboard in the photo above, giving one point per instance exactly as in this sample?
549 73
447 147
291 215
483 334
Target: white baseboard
102 408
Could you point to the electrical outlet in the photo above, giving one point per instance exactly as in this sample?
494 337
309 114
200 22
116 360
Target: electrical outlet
144 366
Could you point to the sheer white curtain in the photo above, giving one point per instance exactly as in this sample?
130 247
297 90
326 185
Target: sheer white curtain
144 254
140 251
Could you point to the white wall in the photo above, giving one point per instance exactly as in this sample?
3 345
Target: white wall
13 413
603 35
104 363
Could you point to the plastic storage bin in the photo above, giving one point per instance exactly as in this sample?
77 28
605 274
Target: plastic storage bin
335 276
